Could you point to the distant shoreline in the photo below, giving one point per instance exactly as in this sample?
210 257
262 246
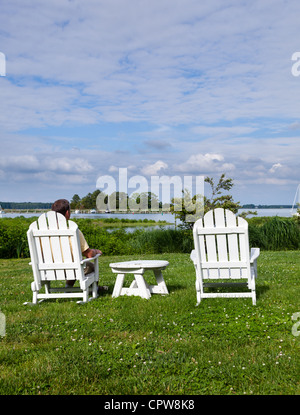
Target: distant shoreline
87 211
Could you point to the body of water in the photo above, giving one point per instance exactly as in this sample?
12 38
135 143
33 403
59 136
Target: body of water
269 212
168 217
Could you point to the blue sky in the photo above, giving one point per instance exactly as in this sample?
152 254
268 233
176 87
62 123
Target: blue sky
161 87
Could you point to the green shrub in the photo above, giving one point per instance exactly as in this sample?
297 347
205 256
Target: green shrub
274 233
257 238
13 237
270 234
281 234
158 241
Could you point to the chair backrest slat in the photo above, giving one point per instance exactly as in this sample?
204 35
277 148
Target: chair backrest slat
244 246
233 241
54 242
65 245
46 251
210 244
75 250
222 247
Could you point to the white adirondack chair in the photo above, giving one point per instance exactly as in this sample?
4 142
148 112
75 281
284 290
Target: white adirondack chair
222 253
56 256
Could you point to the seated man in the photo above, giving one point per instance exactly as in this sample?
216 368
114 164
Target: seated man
62 206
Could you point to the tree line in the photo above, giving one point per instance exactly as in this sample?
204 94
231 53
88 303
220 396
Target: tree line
25 205
182 207
145 201
116 201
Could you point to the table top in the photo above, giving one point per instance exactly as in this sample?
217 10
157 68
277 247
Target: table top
151 264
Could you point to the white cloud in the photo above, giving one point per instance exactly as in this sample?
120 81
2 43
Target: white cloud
68 165
275 167
205 163
113 169
211 83
26 163
168 64
31 163
154 169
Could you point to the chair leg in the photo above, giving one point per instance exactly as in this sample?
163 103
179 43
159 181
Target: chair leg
34 299
198 298
95 290
252 285
199 289
253 289
47 287
85 297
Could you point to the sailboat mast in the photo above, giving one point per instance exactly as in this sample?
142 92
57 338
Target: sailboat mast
295 199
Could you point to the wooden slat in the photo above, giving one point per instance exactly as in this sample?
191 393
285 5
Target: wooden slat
225 264
35 254
65 244
226 295
221 242
76 249
53 232
55 244
46 247
244 245
211 249
220 231
58 266
232 238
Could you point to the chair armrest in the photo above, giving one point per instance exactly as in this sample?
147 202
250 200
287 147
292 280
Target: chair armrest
254 254
89 259
193 256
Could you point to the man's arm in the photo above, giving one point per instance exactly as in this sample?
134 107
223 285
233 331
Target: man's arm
90 253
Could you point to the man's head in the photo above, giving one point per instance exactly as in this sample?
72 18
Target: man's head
62 206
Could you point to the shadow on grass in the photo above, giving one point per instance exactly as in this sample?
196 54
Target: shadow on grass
175 287
260 291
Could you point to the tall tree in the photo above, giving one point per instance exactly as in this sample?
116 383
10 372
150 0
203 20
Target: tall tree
89 201
217 199
75 202
181 207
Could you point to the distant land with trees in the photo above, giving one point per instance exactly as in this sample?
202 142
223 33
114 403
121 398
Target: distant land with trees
25 205
41 205
147 199
88 202
251 206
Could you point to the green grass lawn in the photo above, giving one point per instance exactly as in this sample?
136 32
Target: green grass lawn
165 345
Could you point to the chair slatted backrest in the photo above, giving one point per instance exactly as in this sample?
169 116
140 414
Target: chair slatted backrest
222 246
54 248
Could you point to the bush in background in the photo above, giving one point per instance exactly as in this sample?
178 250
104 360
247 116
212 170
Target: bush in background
273 233
13 238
